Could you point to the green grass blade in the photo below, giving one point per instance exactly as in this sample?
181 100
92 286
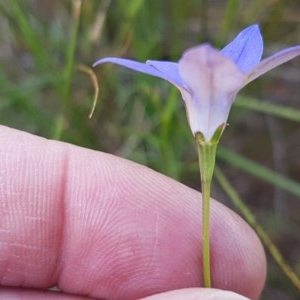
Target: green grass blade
68 71
70 51
250 218
276 110
259 171
14 100
30 35
232 8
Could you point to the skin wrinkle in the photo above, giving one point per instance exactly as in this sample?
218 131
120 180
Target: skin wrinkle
88 241
131 232
33 243
133 192
217 257
62 213
232 232
168 205
121 229
31 294
111 188
49 229
91 191
156 231
189 240
154 237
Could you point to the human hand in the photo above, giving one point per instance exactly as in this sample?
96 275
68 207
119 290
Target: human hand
96 225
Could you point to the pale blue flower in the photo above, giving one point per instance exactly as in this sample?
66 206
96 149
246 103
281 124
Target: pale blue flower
209 79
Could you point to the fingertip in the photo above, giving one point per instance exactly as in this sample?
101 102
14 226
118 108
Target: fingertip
112 227
237 255
197 294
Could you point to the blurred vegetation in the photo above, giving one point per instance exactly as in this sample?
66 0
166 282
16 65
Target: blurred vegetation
142 118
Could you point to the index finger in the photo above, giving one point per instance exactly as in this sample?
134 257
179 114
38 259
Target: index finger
95 224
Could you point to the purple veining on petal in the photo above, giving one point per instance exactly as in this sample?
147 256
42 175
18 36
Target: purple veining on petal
165 72
272 62
170 68
246 49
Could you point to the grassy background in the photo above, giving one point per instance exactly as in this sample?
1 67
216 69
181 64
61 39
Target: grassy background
142 118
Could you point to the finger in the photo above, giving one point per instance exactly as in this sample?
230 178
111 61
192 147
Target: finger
197 294
31 294
183 294
102 226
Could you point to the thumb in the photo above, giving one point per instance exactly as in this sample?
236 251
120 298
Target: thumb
197 294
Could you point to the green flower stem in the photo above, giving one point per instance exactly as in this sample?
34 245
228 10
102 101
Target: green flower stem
207 157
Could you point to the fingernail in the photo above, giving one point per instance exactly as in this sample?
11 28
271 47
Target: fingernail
225 295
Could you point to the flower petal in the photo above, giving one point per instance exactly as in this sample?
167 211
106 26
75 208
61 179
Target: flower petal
164 70
246 49
169 68
213 80
272 62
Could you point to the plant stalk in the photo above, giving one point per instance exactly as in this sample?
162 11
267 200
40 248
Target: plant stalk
207 157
